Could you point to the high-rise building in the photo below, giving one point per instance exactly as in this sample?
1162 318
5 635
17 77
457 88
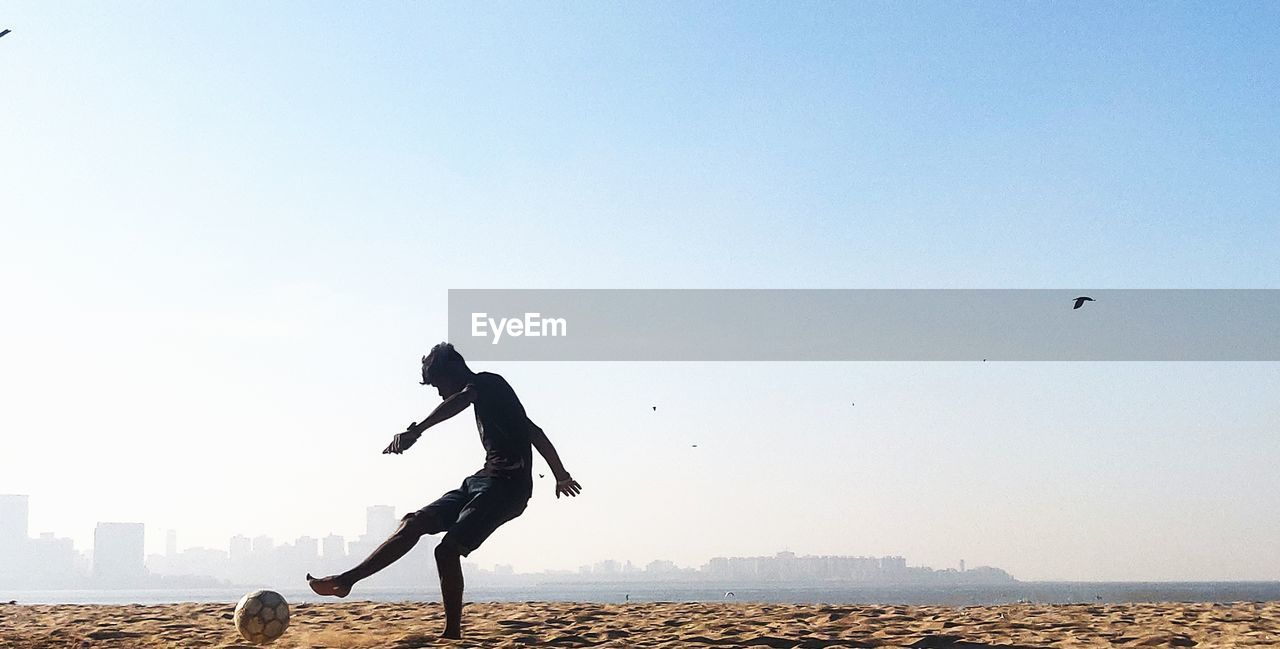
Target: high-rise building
334 546
306 547
118 552
13 520
241 547
893 565
53 560
380 522
13 535
663 567
263 545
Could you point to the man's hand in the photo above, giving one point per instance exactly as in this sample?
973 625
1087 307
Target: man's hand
402 441
567 486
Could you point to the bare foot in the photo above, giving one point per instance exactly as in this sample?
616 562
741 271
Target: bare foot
333 585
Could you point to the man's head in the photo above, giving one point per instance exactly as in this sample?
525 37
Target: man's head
445 369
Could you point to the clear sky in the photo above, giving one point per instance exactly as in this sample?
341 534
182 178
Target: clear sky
228 230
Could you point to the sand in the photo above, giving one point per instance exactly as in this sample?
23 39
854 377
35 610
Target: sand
535 624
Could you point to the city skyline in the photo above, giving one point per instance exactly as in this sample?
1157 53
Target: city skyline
118 559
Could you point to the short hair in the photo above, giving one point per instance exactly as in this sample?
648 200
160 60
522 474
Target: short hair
437 363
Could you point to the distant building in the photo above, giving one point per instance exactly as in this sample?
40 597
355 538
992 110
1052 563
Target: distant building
786 566
306 548
192 562
118 553
13 520
736 567
334 547
380 522
377 520
661 567
52 560
13 535
263 545
171 543
240 547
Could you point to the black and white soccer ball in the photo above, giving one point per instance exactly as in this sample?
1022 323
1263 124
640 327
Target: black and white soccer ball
262 616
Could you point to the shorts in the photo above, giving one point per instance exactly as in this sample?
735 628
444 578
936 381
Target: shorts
470 513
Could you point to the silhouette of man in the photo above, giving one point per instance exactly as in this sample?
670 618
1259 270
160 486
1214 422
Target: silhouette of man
492 496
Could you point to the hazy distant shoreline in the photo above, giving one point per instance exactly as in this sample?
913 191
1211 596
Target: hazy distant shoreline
1046 592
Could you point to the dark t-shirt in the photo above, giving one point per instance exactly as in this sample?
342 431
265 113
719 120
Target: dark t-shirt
504 430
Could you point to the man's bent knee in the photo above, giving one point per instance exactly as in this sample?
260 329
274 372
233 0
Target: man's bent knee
417 524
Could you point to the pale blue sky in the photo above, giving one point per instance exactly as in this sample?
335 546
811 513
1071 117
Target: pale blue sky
229 229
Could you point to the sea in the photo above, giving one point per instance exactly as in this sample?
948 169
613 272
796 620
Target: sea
1031 592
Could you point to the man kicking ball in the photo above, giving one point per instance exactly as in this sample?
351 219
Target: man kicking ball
494 495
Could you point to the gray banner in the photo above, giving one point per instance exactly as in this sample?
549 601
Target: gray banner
866 325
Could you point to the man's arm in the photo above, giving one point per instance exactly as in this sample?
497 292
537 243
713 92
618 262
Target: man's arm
565 484
455 404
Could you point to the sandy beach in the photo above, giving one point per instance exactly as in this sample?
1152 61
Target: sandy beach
401 626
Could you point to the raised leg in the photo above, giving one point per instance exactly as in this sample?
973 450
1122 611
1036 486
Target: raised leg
396 546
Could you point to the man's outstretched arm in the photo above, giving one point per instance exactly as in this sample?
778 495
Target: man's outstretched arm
565 484
455 404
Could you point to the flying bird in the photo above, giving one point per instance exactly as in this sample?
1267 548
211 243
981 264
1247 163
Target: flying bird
695 446
5 32
655 408
541 476
1081 300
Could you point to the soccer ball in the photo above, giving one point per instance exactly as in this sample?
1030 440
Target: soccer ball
262 616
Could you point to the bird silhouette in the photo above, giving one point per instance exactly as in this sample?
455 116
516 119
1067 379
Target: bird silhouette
695 446
655 408
541 476
1081 300
5 32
